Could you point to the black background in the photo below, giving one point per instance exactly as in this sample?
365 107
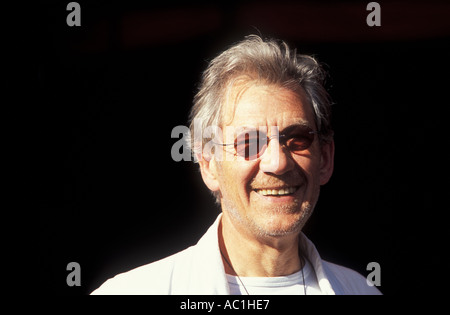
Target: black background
111 198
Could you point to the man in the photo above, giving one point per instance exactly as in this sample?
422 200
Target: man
270 150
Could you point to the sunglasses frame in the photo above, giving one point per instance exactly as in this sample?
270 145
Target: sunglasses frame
261 150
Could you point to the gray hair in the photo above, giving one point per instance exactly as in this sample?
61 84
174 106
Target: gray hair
268 61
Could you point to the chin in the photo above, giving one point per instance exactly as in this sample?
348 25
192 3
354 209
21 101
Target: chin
278 221
277 227
281 222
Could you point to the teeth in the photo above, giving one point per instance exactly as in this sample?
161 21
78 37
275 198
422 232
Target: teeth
276 192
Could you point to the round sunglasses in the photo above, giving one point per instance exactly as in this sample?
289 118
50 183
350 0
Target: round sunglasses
252 144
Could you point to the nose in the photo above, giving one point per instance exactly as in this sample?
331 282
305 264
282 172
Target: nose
276 159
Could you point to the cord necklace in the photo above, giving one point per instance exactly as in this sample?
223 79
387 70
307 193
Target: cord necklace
243 285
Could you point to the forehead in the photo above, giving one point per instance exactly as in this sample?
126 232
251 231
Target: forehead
266 105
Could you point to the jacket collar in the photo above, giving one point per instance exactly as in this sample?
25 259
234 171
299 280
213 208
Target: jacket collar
210 272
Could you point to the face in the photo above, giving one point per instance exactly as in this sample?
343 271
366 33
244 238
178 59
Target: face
274 194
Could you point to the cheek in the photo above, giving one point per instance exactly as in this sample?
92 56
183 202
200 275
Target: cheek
310 167
235 179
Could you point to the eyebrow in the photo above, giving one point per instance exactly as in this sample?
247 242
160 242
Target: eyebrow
299 123
287 130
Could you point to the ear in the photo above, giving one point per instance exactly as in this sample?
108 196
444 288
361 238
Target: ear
326 162
208 169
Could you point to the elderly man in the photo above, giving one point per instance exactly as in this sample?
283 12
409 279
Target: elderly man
269 149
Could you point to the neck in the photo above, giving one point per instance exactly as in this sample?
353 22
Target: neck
247 256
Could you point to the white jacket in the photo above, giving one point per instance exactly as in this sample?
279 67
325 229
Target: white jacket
199 270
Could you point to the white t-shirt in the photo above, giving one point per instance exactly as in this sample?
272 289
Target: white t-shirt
286 285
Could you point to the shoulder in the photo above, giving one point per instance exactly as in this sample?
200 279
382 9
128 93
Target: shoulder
347 281
153 278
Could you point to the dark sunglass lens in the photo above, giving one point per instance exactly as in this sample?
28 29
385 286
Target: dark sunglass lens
249 144
300 141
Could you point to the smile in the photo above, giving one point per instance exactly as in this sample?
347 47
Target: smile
277 192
